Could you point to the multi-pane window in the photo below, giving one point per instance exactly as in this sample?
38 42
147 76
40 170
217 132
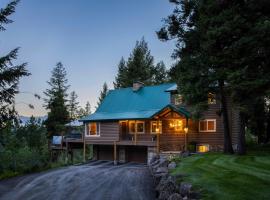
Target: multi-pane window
178 99
136 126
207 125
156 127
179 125
93 129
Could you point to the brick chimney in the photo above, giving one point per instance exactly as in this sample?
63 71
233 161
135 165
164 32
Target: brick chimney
137 85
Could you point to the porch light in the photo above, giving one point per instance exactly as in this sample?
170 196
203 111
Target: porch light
157 130
186 130
171 125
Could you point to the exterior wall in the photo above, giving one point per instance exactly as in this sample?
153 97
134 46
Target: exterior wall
109 132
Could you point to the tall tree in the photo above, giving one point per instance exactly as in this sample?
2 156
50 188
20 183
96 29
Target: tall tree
140 67
10 73
56 101
73 106
85 111
220 47
103 93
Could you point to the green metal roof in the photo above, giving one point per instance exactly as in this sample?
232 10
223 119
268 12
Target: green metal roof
125 103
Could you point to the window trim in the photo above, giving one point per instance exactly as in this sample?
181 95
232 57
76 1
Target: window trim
136 130
207 130
151 131
87 129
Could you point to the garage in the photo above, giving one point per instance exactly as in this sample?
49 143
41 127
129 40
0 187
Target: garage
136 154
104 152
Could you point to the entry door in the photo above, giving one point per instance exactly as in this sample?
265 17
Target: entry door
124 129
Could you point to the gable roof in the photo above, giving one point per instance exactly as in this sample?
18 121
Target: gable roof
125 103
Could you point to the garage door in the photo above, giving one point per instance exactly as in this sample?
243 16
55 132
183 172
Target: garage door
136 154
105 152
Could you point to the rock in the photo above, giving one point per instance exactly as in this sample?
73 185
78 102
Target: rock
185 189
161 170
163 162
185 198
159 177
185 154
166 189
175 196
172 165
154 159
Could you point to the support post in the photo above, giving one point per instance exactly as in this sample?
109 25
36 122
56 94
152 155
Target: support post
186 131
158 138
83 137
135 132
114 153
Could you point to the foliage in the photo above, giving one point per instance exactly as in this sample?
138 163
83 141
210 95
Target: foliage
220 49
24 149
56 101
225 177
103 93
140 67
10 73
73 106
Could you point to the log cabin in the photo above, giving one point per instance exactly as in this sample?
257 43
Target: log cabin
134 124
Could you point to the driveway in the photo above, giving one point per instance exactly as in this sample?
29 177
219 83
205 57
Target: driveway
95 180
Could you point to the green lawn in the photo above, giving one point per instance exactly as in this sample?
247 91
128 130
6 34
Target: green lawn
229 177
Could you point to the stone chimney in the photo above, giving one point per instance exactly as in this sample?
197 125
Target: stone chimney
137 85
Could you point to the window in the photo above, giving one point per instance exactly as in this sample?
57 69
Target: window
202 148
211 98
178 99
156 127
93 129
179 125
136 126
207 125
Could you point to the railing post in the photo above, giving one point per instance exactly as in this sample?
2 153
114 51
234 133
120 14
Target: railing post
158 138
114 153
135 132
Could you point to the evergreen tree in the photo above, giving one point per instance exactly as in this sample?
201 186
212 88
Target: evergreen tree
140 67
73 106
56 101
103 93
10 73
160 74
87 108
219 50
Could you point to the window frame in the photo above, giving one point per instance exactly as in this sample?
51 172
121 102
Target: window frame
207 130
88 129
136 128
160 124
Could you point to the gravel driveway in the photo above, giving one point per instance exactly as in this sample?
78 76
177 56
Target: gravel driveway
95 180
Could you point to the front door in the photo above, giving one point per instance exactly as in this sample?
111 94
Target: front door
124 129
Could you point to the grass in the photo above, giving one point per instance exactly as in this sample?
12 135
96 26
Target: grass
229 177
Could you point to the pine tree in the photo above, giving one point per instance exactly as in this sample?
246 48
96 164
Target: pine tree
56 101
220 48
10 74
140 67
87 108
73 106
103 94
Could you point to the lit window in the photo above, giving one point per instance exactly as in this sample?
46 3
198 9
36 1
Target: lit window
207 125
93 129
178 99
203 148
179 125
136 126
156 127
211 98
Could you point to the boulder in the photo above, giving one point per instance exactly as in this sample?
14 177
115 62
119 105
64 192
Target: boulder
154 159
166 189
185 154
161 170
175 196
185 189
172 165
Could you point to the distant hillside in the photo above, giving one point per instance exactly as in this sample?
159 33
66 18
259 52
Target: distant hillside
24 119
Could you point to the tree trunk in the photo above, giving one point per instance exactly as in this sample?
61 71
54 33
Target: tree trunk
241 135
267 139
227 136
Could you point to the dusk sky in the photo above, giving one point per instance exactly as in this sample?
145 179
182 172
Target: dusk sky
88 36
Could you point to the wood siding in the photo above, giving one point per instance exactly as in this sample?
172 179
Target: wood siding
109 132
